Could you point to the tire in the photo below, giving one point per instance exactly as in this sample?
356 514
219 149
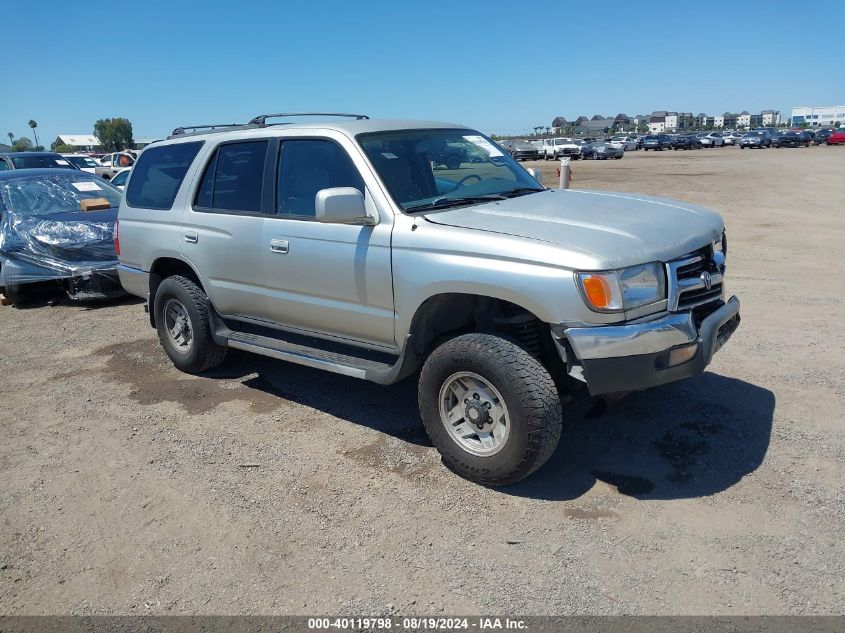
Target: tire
530 399
453 161
200 353
13 293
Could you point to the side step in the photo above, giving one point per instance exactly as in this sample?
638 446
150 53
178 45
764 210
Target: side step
338 363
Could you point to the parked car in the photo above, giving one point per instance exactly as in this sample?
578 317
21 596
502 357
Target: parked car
601 150
837 137
793 139
33 160
821 136
481 282
687 141
554 148
57 229
449 156
82 162
711 139
520 150
731 138
656 142
120 178
111 163
756 139
627 142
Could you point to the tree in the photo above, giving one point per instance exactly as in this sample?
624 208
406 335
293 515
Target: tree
34 125
11 137
61 148
22 145
114 134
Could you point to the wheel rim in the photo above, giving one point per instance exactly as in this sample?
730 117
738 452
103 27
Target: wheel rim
474 414
177 324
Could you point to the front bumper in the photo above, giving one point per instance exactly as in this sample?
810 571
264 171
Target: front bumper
621 358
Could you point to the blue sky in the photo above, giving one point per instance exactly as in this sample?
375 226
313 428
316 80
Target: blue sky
499 66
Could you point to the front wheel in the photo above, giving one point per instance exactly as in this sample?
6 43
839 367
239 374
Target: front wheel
490 408
183 321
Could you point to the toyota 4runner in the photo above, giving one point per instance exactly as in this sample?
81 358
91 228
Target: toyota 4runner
336 244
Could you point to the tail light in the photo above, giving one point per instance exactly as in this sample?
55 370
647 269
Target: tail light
116 238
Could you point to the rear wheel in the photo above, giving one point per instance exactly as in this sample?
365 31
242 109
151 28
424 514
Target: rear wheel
490 408
183 321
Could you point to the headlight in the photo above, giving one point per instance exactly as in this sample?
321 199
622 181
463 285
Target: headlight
623 289
720 249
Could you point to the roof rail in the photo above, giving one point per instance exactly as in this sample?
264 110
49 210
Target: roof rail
261 119
204 129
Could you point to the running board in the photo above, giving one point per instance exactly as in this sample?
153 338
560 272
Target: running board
347 365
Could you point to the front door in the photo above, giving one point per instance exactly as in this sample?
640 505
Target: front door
330 279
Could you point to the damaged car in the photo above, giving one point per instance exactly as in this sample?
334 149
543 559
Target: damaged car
57 235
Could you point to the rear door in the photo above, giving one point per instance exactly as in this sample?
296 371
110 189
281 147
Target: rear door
329 279
222 229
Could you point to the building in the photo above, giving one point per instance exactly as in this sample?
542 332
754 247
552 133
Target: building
743 119
770 118
815 116
594 127
79 142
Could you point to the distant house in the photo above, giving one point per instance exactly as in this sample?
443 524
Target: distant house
581 120
657 124
5 148
141 143
595 126
79 142
597 117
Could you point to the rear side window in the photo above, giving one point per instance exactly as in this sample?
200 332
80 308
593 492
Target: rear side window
306 167
233 178
158 175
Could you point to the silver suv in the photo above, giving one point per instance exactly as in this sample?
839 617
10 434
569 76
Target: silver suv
346 245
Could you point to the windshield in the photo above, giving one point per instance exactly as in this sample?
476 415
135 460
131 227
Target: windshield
424 169
120 179
54 193
651 138
81 161
753 134
35 161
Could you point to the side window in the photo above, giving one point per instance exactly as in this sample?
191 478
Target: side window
158 175
234 178
306 167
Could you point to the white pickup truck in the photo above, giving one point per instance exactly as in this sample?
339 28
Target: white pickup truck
113 163
554 148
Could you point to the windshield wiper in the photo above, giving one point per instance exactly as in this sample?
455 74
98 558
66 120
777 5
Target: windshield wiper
445 202
519 191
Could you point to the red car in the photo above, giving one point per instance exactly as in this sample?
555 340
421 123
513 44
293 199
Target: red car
838 137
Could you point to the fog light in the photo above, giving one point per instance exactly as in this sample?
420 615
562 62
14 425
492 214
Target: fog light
682 354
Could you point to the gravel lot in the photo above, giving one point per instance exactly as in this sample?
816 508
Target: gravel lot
128 487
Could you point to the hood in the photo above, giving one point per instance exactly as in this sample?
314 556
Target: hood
617 229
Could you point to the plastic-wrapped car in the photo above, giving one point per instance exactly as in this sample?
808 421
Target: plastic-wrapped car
57 232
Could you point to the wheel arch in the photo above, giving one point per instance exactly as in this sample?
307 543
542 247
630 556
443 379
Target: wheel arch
165 267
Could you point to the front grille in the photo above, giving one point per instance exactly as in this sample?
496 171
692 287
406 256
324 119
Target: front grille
694 280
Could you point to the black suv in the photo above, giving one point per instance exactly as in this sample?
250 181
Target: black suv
688 141
793 139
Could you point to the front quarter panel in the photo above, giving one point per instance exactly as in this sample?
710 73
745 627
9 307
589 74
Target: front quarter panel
431 259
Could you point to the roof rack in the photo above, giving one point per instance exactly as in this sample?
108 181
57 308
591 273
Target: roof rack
261 119
204 129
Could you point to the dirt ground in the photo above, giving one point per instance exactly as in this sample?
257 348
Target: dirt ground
127 487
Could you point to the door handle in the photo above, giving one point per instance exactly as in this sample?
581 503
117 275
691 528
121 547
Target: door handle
279 246
191 238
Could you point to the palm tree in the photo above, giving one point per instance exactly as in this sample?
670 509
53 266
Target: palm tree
11 137
34 125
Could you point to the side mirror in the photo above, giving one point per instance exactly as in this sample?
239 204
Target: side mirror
342 205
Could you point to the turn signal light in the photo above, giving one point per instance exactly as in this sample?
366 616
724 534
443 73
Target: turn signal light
598 291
